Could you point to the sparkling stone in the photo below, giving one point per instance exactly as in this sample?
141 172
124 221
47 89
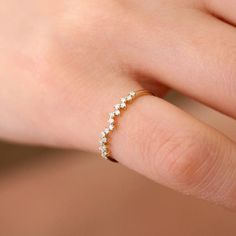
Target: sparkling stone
132 93
103 148
129 98
112 115
103 134
105 151
106 131
111 121
123 100
104 155
122 105
103 140
117 106
117 112
111 127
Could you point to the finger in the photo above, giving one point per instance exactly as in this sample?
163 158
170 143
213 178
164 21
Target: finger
193 53
165 144
222 9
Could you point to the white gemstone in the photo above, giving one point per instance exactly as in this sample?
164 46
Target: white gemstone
111 121
129 98
106 131
111 127
103 148
117 106
122 105
117 112
112 115
123 100
104 155
132 93
103 134
105 151
103 140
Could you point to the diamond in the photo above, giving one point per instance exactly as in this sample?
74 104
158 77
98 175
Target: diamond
106 131
111 127
122 105
104 155
123 100
129 98
103 134
103 148
112 115
111 121
117 112
103 140
117 106
132 93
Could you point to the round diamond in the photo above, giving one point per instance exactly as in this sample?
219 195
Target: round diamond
123 100
104 155
111 121
122 105
103 148
112 115
117 112
103 140
132 93
106 131
117 106
129 98
103 134
111 127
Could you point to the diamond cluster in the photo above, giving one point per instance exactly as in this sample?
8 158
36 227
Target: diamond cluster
111 124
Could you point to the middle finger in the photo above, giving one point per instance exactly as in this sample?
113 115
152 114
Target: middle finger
189 51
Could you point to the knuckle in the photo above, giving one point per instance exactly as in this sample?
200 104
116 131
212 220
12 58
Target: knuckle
183 160
188 163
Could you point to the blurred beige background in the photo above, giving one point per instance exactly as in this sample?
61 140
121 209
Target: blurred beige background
46 192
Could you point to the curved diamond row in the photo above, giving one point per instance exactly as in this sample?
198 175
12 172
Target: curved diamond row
104 149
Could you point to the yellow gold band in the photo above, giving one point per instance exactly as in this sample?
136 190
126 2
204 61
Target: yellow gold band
118 108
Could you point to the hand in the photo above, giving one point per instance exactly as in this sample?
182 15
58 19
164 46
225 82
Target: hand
65 63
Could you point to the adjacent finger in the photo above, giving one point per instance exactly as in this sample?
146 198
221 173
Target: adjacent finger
165 144
223 9
191 52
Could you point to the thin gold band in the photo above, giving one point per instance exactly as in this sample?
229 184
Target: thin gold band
118 108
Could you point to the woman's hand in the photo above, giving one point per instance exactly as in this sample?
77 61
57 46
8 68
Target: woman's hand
65 63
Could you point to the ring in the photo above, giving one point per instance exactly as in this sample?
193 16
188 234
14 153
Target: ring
112 120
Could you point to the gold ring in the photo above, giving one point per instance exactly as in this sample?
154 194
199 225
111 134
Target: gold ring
112 120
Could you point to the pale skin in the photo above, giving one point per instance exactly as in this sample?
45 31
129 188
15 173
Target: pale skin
65 63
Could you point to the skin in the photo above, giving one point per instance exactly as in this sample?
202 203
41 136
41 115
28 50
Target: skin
65 63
